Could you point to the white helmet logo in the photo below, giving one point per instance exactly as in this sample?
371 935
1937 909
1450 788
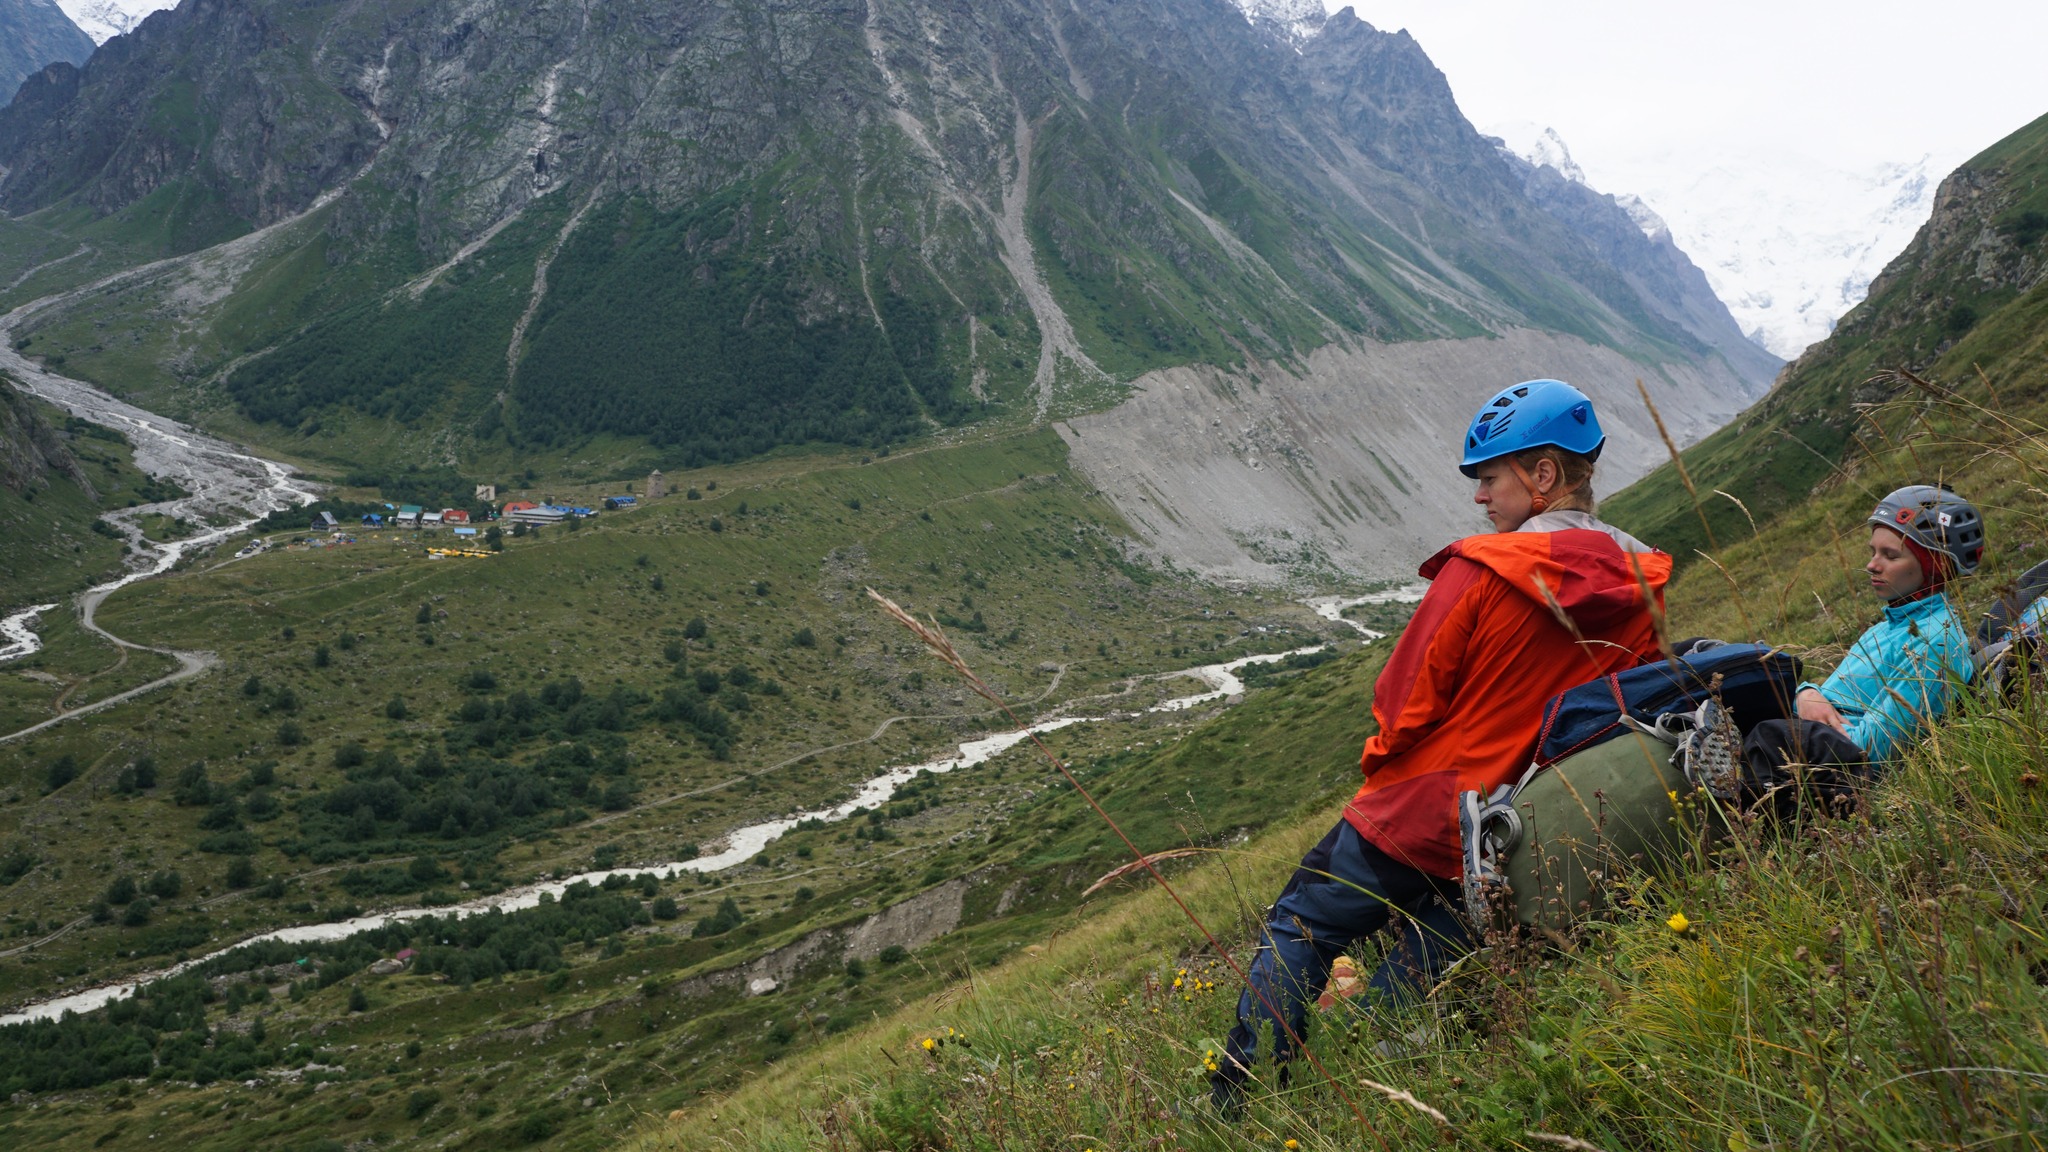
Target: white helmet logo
1943 518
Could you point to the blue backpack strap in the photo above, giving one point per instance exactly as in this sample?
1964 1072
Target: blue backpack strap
1756 683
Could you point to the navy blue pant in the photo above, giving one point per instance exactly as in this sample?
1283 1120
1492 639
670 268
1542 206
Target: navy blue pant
1317 918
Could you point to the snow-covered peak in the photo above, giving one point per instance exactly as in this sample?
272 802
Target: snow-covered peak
1299 19
105 19
1645 216
1540 146
1788 242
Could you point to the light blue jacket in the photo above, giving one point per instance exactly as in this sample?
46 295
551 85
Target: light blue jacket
1900 674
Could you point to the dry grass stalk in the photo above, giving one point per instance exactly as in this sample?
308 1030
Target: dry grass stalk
1122 870
1571 1142
1678 462
1655 606
1403 1096
935 639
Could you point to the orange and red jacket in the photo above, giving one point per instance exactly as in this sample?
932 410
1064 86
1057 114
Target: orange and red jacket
1460 701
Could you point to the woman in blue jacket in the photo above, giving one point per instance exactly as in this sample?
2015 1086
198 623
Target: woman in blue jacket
1901 673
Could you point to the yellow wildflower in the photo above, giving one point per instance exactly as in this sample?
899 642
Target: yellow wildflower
1291 1145
930 1045
1678 923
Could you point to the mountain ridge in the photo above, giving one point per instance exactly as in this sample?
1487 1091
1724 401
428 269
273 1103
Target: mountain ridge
884 216
33 35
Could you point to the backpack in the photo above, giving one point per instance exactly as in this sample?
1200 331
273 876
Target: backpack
2007 654
1614 782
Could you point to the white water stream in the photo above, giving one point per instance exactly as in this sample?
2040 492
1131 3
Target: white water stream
739 845
1332 608
17 633
227 488
236 489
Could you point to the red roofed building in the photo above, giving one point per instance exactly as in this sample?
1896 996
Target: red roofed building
454 516
517 506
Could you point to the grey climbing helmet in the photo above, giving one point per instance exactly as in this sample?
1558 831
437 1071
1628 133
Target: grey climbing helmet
1936 519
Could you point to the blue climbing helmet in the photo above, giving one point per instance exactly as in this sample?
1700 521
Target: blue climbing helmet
1530 415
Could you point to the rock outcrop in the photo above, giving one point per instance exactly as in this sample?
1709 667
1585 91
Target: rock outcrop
35 34
30 450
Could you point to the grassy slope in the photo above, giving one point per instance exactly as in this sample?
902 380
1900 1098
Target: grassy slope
1820 980
1017 539
51 548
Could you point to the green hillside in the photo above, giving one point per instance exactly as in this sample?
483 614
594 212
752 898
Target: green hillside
51 519
387 729
1867 983
1964 296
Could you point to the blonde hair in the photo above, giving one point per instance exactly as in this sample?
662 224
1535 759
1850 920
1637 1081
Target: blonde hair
1574 490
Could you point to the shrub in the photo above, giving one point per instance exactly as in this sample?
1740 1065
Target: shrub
695 629
358 1000
137 777
421 1102
350 755
539 1125
394 709
122 891
193 790
424 616
241 872
290 735
165 885
894 954
138 912
725 919
63 770
665 908
321 656
804 638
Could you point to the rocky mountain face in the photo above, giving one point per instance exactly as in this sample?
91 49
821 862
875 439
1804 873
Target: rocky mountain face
30 450
33 35
728 227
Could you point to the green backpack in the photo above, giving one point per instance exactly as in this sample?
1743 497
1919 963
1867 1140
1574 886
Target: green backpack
1550 850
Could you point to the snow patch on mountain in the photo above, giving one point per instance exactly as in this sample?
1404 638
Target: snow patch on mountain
105 19
1788 242
1297 19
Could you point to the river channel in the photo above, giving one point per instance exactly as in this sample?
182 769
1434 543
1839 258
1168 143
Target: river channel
739 845
229 490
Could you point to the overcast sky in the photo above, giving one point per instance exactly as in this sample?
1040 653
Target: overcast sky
1846 83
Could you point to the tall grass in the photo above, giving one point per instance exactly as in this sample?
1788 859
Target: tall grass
1878 981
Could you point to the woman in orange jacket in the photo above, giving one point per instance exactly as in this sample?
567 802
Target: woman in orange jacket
1551 598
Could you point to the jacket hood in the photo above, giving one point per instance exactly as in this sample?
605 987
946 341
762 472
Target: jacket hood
1589 575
